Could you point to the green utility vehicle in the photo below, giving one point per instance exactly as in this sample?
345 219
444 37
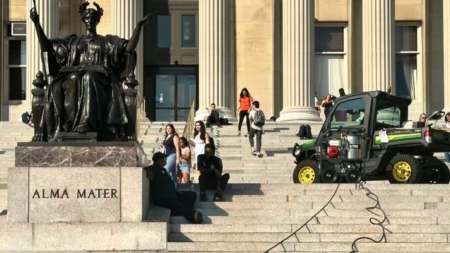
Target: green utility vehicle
365 137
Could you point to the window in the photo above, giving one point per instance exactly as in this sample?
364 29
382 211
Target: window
329 70
164 31
390 114
406 55
349 113
188 26
17 69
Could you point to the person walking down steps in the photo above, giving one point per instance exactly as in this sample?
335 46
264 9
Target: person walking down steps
257 120
245 103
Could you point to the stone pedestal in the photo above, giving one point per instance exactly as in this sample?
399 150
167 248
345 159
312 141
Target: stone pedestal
96 192
80 154
76 194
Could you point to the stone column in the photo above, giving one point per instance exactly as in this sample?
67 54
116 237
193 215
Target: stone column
446 41
298 55
378 45
48 16
125 16
214 63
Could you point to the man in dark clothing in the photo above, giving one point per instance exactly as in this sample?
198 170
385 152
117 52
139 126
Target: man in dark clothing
163 192
213 117
210 167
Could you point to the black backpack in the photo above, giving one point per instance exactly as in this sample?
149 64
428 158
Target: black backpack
26 117
259 119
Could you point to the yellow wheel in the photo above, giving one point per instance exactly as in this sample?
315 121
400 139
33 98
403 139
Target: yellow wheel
306 172
404 169
401 171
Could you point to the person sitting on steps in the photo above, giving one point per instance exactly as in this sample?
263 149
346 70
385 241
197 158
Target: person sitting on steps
214 117
210 168
163 192
304 132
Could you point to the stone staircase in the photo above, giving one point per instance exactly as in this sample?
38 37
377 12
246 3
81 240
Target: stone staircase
262 207
10 134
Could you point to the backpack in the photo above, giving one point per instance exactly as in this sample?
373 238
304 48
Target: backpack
26 117
259 119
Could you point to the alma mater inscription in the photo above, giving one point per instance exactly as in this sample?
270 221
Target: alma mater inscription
80 194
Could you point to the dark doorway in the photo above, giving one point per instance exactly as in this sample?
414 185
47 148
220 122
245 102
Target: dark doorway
169 92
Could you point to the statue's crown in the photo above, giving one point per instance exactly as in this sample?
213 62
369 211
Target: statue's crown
83 9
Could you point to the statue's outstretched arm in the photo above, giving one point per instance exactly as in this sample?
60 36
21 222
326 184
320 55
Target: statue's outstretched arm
43 40
133 41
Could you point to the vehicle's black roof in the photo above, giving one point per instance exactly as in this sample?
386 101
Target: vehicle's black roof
377 93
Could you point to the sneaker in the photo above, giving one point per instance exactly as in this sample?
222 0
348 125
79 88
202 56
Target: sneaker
239 133
253 151
218 197
203 197
198 217
259 155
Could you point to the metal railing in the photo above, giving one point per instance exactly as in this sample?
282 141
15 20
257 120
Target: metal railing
188 128
140 119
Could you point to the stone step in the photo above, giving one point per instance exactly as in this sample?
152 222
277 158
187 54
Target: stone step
311 228
307 247
441 214
303 237
242 197
290 220
316 205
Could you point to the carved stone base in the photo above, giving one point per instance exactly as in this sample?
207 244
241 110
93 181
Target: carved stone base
80 154
76 137
299 114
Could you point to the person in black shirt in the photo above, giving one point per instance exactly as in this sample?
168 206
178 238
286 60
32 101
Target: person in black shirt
163 192
214 117
210 167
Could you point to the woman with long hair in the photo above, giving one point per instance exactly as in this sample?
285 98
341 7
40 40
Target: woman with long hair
327 104
172 146
245 103
185 164
201 137
422 120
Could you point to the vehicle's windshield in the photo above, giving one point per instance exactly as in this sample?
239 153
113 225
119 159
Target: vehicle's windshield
349 113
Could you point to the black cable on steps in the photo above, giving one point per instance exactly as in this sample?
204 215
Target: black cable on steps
372 220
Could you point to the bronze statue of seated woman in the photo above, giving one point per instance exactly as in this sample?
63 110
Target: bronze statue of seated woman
86 93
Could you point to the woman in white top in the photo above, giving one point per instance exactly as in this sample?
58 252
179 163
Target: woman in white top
200 139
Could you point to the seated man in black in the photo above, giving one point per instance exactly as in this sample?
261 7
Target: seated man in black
213 117
210 167
163 192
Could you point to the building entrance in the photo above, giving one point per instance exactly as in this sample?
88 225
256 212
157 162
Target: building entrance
170 92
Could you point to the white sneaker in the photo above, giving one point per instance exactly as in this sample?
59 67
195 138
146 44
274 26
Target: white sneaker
253 151
259 154
239 133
